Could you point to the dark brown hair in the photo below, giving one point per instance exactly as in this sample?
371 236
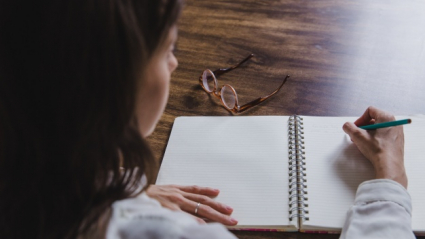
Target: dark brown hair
68 74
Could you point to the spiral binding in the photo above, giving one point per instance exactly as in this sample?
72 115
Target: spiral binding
297 183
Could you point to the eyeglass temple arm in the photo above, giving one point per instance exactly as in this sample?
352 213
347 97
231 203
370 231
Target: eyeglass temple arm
261 99
224 70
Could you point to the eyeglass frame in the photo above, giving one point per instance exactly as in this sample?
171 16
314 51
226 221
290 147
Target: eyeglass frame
218 92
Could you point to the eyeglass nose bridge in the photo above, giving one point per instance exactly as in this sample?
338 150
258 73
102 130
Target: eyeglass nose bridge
216 93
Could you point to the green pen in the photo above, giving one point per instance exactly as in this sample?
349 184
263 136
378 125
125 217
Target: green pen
387 124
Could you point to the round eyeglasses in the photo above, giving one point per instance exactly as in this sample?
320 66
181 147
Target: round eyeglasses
227 94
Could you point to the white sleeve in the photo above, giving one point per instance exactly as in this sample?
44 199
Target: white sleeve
382 209
161 228
143 217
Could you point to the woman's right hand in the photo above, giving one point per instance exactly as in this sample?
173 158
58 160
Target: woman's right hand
383 147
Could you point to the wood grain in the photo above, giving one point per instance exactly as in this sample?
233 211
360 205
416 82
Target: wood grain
342 57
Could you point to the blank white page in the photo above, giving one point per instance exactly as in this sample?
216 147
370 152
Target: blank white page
245 157
335 168
414 162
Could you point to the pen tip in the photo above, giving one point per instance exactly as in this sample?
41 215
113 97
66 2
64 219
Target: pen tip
409 121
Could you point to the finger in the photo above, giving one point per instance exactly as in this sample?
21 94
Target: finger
368 115
220 207
175 207
356 134
213 215
207 212
170 205
200 190
200 220
372 115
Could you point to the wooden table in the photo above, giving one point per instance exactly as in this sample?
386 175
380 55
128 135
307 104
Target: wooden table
342 57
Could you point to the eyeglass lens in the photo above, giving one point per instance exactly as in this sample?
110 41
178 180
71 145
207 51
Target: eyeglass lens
228 96
208 81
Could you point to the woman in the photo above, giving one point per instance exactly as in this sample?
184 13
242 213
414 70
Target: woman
82 83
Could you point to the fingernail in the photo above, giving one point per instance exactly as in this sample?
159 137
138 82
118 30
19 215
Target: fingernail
234 221
216 190
228 208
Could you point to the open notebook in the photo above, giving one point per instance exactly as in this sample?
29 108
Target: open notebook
252 161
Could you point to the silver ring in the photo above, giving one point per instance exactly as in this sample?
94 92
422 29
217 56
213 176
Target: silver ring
197 207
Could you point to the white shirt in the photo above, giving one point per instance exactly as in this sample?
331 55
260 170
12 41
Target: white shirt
382 209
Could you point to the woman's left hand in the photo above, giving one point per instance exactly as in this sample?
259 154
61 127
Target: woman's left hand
186 198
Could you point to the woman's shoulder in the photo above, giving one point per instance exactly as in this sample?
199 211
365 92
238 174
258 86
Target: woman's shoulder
143 217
